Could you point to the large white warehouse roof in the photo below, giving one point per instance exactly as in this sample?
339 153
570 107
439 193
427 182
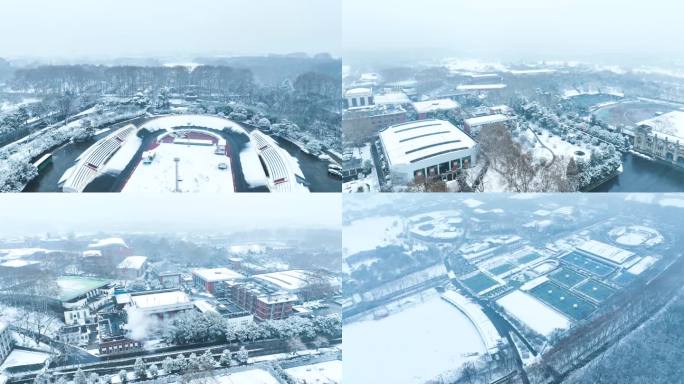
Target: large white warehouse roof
414 141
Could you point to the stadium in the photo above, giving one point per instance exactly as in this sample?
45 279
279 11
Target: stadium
191 153
432 148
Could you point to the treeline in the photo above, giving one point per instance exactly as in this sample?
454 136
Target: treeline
195 327
128 80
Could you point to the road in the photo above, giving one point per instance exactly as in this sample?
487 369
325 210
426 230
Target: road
113 365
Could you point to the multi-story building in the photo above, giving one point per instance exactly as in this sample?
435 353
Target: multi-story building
163 304
208 279
361 125
358 98
662 137
132 267
475 125
262 301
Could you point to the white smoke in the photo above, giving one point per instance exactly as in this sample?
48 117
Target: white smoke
140 325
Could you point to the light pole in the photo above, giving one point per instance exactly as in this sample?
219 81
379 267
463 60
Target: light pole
177 160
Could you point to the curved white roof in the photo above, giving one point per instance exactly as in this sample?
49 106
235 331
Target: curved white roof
358 92
489 119
417 140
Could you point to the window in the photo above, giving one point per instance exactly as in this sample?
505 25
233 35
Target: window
363 101
354 104
466 162
455 164
444 168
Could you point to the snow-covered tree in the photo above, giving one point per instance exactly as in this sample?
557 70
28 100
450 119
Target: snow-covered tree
80 377
225 359
123 376
139 368
242 355
154 371
94 378
206 361
168 365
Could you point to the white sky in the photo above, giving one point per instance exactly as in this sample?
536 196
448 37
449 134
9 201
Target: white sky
517 28
115 28
38 214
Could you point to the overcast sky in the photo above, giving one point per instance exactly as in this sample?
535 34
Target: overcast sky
115 28
38 214
518 29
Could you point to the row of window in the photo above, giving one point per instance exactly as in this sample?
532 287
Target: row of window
446 167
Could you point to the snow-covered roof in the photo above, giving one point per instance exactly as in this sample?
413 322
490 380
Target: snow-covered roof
159 299
18 263
489 119
410 142
216 274
480 87
392 98
532 71
535 314
204 306
284 172
71 287
669 124
92 253
287 280
356 92
490 336
133 262
325 372
435 105
606 251
3 326
102 243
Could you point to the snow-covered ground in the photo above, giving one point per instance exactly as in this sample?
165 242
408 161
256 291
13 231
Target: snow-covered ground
642 265
419 343
369 233
329 372
22 357
198 170
533 313
251 167
184 121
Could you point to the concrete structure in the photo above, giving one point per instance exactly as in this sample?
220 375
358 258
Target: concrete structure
163 304
360 125
605 252
662 137
475 125
429 109
132 267
392 98
5 341
358 98
81 297
426 148
307 285
170 280
207 278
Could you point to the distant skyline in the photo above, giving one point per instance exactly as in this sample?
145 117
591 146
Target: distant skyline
37 214
607 31
109 29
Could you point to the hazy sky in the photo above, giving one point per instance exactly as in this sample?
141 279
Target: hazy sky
88 28
195 213
518 28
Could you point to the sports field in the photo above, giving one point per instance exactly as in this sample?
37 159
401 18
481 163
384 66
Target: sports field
479 282
503 268
566 276
528 258
588 264
595 289
563 300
